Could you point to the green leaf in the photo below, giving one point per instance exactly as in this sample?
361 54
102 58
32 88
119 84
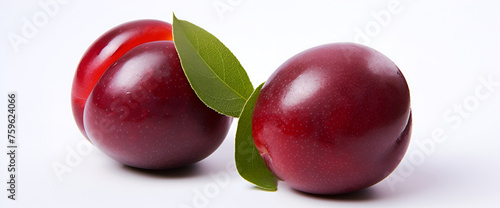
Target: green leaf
249 163
213 71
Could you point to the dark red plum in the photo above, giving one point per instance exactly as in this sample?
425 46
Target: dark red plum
333 119
132 100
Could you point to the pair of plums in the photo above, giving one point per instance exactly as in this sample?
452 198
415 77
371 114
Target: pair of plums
333 119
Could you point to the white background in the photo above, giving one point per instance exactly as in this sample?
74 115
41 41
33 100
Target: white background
447 51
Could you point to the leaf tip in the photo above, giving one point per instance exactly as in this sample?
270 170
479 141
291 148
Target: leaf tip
174 20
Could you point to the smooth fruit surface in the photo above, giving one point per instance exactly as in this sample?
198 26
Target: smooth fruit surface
105 51
143 112
333 119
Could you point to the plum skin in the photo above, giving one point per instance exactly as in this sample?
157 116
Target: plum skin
105 51
333 119
143 112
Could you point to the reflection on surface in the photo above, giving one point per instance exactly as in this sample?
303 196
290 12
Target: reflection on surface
302 88
114 45
132 71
